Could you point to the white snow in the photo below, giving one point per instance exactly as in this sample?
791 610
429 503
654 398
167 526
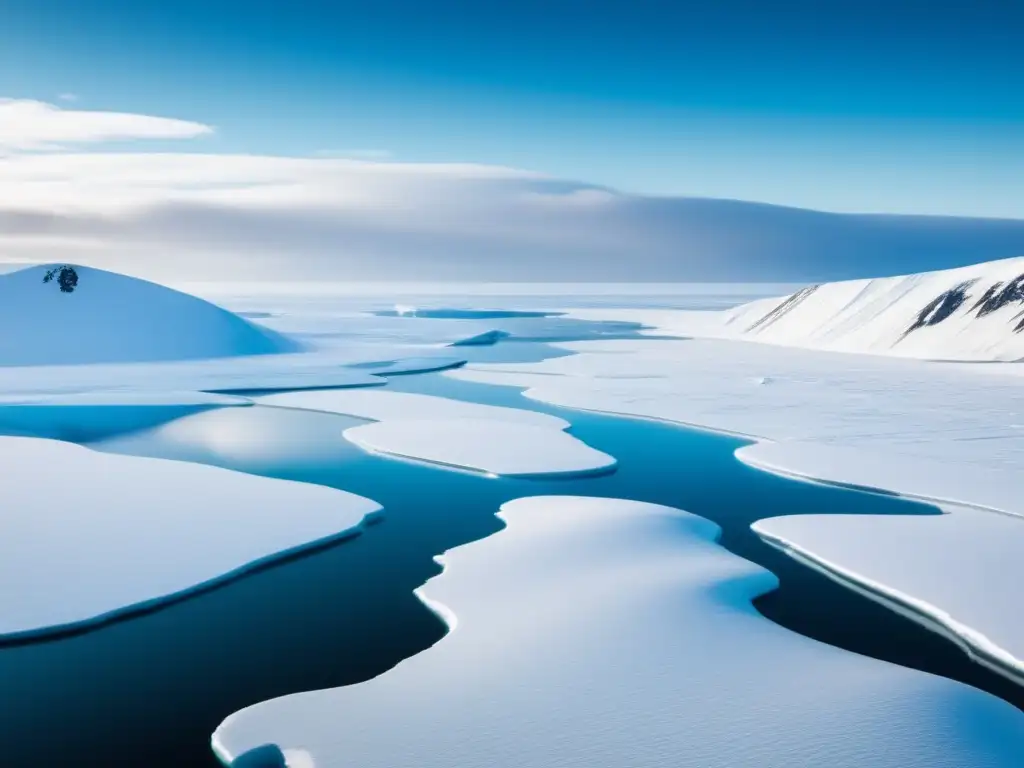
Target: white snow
925 430
601 633
86 535
486 438
873 316
959 571
496 447
114 318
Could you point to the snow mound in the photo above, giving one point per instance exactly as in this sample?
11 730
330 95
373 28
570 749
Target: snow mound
108 317
88 536
608 633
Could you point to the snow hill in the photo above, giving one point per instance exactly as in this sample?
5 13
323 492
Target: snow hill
109 317
969 313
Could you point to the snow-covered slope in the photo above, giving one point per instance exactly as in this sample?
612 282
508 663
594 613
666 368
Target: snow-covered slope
109 317
969 313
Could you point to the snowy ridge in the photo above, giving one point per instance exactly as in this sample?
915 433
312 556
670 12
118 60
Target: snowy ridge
971 313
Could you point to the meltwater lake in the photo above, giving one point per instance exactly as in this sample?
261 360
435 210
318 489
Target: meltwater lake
150 689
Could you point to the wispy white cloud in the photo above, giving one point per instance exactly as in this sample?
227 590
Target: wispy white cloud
185 216
35 125
68 96
357 154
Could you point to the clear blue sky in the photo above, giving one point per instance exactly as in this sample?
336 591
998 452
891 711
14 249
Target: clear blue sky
882 106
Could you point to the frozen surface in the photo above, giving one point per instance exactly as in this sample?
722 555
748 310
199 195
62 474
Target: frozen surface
497 447
599 633
88 535
89 416
945 482
932 431
485 438
971 313
902 409
384 405
114 318
961 571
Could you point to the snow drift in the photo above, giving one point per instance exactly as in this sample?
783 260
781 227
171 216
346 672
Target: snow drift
108 317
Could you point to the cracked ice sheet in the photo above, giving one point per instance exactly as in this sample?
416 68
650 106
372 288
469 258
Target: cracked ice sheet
966 414
513 442
961 571
154 529
931 431
602 633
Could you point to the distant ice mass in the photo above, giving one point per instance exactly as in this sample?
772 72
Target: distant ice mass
88 536
608 633
107 317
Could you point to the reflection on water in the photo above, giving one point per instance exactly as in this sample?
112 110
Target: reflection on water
150 690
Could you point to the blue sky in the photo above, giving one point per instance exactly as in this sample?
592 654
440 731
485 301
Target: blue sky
898 106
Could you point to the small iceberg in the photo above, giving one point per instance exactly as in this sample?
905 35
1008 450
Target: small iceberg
486 339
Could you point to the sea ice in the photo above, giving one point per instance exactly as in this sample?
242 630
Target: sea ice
500 441
497 447
959 572
608 633
87 535
921 429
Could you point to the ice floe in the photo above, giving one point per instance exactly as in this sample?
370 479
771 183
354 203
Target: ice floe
485 438
600 632
495 447
87 536
925 430
959 572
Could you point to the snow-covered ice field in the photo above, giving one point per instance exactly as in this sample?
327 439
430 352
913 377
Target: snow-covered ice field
602 632
582 610
88 536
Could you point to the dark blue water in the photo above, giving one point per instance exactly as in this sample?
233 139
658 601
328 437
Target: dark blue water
148 691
